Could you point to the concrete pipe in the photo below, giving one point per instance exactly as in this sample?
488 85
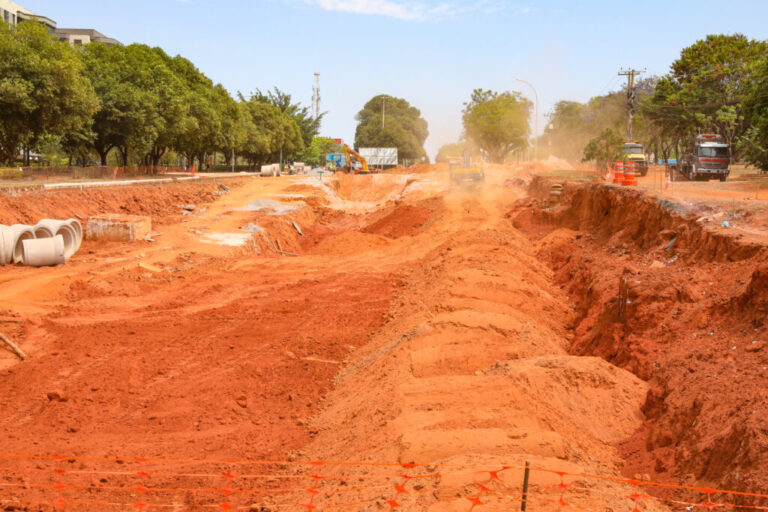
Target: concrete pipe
19 233
67 232
43 252
6 245
78 227
42 231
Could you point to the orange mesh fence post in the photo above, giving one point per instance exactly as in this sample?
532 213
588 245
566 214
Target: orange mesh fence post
526 477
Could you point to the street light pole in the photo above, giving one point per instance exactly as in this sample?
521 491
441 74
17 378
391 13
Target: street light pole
536 114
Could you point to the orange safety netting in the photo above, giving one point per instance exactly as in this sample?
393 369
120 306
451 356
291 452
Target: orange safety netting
103 483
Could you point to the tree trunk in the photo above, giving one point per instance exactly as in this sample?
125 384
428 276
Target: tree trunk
124 155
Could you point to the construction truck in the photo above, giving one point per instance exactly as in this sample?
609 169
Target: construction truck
462 172
358 167
634 152
706 158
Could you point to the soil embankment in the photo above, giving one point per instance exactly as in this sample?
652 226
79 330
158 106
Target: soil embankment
683 306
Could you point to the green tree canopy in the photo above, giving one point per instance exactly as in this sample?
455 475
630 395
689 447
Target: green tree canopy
604 149
450 150
308 125
267 131
403 127
497 122
315 153
129 82
753 145
42 90
706 87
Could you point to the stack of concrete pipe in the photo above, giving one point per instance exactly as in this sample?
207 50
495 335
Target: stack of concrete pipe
49 242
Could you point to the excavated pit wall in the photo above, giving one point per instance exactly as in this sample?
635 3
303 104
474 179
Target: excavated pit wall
681 304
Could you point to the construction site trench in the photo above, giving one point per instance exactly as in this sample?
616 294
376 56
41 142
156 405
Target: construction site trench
385 341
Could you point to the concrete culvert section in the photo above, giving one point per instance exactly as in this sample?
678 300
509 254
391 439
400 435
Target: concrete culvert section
78 227
43 252
19 233
67 232
43 231
6 245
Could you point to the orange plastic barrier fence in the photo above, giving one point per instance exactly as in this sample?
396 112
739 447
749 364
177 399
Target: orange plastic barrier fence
61 483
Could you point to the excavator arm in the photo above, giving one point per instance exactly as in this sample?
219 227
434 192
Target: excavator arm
349 153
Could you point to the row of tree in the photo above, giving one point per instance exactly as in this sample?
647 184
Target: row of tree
717 85
136 102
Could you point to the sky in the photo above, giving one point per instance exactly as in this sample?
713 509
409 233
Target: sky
432 53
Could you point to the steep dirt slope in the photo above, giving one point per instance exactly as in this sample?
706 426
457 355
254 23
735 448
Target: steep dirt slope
683 307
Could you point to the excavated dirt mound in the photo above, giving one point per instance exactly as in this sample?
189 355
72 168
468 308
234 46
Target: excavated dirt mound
351 242
404 219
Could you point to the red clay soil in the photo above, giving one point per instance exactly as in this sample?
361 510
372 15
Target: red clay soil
426 331
190 373
404 219
681 305
191 359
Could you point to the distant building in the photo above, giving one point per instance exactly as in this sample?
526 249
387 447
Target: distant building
81 36
13 14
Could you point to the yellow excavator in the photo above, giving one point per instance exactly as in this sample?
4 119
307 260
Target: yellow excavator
350 167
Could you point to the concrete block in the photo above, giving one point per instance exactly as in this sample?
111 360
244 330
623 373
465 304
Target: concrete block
118 227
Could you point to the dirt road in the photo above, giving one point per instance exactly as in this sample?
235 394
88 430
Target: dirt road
390 322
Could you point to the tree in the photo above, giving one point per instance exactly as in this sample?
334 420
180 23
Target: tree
604 149
497 122
451 150
753 145
134 88
386 121
267 131
42 90
308 125
706 87
315 153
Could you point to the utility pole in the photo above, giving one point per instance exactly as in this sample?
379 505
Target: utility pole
316 97
383 111
631 95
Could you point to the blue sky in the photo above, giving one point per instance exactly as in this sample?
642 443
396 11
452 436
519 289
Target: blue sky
430 52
